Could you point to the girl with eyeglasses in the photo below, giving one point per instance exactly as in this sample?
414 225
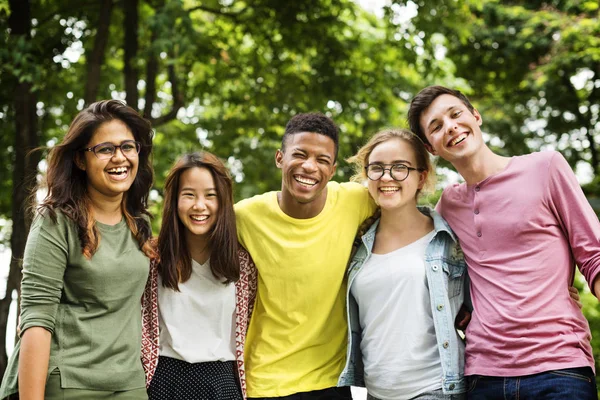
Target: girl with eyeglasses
86 265
202 293
405 281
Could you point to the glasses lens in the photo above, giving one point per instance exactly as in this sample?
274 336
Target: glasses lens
399 172
374 172
129 148
104 150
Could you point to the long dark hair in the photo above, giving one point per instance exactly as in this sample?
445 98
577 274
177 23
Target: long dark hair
175 260
67 184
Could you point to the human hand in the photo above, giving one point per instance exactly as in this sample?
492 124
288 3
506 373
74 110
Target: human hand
462 318
574 293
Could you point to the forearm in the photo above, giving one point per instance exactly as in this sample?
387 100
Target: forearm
33 363
595 287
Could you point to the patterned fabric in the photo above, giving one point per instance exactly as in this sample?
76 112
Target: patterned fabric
245 291
179 380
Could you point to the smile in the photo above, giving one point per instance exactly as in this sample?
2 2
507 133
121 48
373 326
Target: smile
457 139
117 171
199 218
307 182
389 189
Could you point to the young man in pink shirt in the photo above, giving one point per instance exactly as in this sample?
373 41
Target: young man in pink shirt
523 224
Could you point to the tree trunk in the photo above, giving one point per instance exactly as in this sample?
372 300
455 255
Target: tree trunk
96 58
131 48
151 72
25 169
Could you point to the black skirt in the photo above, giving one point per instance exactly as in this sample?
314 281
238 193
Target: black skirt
179 380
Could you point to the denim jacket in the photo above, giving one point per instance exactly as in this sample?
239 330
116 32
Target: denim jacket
446 275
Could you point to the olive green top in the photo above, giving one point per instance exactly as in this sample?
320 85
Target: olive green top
91 307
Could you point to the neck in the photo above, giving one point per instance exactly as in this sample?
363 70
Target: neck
398 228
295 209
198 247
107 210
403 220
481 166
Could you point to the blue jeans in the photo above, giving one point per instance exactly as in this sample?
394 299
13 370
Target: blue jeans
561 384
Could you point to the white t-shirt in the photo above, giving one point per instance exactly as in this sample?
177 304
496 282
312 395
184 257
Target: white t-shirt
197 323
399 345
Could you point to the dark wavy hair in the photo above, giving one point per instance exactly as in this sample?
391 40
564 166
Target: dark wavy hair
312 123
67 184
175 260
423 100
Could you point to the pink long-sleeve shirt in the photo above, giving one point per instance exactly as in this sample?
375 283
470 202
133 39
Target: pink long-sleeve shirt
522 232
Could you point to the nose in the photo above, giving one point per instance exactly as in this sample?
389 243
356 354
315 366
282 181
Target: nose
200 204
450 125
309 165
118 154
387 175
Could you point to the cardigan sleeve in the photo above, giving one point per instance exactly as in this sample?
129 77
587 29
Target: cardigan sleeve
44 264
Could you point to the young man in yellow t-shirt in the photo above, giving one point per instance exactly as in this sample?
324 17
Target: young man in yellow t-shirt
300 239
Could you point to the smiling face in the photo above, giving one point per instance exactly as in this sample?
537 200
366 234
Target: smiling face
197 201
452 130
307 163
109 178
387 192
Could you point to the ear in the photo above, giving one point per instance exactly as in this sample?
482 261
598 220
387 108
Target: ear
333 169
278 158
80 161
430 149
477 117
422 179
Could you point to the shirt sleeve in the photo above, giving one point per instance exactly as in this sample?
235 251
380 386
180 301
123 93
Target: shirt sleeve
578 219
44 264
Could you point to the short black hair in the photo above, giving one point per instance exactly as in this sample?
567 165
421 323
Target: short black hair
312 123
423 100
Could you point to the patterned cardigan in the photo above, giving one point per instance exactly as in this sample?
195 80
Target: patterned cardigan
245 293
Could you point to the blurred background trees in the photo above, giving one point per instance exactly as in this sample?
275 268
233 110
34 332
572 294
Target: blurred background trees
226 75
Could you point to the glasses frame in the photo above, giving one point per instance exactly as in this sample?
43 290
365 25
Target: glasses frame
389 167
138 147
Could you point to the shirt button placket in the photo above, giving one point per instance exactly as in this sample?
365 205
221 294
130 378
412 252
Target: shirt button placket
477 224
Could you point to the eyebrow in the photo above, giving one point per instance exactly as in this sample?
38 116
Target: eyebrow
306 152
194 189
393 162
435 119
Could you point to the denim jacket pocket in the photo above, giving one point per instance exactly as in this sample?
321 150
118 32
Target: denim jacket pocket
455 272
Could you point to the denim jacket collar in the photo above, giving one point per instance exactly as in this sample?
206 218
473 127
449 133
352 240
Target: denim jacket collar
439 225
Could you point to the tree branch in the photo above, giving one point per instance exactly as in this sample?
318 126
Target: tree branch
178 100
81 5
232 15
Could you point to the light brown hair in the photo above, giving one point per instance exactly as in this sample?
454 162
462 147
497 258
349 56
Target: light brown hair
361 159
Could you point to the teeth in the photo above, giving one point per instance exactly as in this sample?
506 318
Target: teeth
458 139
199 217
389 189
119 170
305 181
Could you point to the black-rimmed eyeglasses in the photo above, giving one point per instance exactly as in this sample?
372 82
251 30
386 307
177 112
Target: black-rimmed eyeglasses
398 172
104 151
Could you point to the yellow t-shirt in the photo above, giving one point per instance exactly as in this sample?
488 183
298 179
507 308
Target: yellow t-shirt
297 336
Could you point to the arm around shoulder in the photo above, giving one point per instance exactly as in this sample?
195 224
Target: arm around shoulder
577 218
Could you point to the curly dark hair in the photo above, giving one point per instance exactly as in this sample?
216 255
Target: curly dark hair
423 100
313 123
67 184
